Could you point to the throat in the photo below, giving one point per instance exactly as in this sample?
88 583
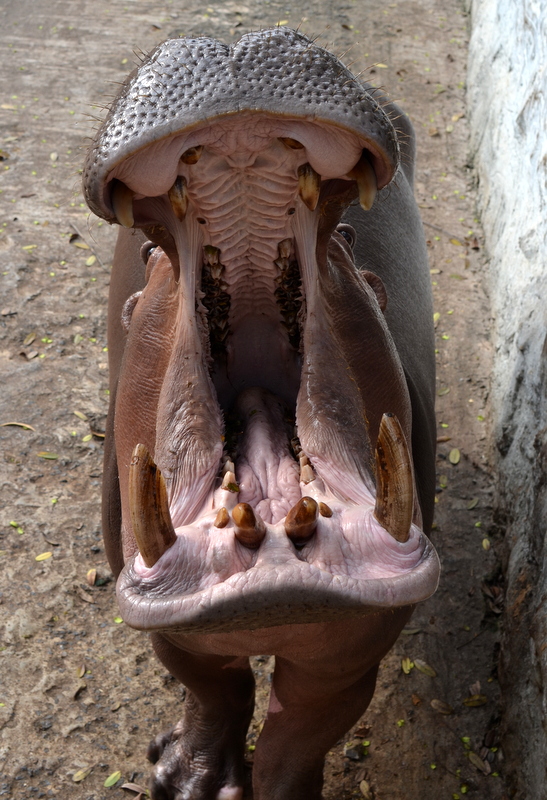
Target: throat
267 472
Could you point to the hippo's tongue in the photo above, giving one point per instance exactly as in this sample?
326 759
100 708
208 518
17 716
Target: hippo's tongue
267 474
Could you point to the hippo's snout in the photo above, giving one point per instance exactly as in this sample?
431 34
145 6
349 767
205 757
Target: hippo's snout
185 84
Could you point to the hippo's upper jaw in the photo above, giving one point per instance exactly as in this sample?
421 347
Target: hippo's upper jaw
258 368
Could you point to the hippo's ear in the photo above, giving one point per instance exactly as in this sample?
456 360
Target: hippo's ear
377 286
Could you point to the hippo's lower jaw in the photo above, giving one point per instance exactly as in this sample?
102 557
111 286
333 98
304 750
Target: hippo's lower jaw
231 571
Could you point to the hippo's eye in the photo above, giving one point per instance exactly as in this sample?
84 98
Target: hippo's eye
348 233
146 250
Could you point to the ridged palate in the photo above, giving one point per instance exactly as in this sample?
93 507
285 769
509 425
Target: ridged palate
246 218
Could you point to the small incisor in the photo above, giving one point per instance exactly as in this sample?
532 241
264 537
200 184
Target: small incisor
301 521
249 528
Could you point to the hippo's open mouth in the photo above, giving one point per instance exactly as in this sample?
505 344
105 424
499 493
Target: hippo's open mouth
258 370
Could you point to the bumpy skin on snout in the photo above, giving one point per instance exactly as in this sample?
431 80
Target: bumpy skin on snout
269 458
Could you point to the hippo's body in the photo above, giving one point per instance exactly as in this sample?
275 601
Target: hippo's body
269 469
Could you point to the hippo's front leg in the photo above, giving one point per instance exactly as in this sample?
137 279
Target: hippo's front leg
302 727
314 702
201 757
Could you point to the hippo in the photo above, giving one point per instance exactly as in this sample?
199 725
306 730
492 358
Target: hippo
269 455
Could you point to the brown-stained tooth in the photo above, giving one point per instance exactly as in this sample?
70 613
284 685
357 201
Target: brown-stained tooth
365 176
149 507
192 155
222 518
284 248
249 529
292 144
309 186
178 197
394 481
304 460
325 510
122 203
212 255
307 475
301 520
229 482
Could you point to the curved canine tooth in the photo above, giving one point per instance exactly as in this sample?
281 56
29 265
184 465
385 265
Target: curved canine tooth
178 197
307 475
325 510
192 155
222 518
250 529
148 507
301 521
365 176
122 203
229 482
309 185
394 483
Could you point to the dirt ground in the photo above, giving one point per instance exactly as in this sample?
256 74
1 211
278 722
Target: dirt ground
80 693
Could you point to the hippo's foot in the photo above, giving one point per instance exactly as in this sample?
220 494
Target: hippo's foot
190 765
